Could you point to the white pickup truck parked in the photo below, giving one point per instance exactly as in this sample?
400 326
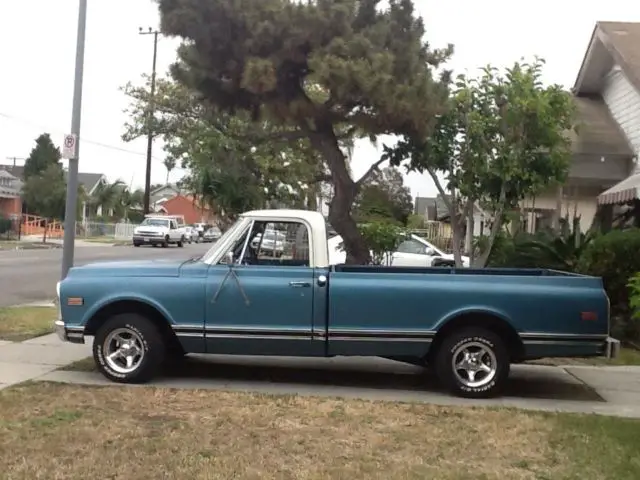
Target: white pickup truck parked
163 230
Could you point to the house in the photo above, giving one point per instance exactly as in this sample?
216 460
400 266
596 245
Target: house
10 202
434 209
88 181
187 206
162 193
605 148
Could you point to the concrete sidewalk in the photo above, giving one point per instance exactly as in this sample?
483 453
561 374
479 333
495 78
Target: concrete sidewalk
580 389
33 358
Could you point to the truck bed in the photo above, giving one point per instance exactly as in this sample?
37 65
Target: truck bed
520 272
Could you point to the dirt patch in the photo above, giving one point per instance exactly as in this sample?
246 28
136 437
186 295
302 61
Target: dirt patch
21 323
73 432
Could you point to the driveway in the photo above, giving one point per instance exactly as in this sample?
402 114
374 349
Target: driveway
31 275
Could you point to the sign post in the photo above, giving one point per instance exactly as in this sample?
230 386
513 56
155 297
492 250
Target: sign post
69 146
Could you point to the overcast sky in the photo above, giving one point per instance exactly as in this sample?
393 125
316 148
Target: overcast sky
37 54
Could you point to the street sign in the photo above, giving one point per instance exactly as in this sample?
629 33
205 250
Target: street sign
69 146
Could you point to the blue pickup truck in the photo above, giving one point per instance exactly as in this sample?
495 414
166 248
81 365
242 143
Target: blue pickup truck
469 325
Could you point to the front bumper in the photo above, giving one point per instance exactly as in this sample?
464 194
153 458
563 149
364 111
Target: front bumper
611 347
69 334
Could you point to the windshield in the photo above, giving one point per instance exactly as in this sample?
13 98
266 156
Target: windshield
154 222
223 239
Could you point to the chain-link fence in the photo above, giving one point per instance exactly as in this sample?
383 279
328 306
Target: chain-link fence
101 230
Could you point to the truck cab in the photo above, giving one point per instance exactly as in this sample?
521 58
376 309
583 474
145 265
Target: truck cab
240 298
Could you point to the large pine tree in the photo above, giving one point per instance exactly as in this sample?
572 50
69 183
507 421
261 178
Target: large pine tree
43 155
318 68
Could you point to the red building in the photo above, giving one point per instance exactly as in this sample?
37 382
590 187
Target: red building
188 207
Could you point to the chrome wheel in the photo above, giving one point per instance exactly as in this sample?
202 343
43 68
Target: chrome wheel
474 364
123 350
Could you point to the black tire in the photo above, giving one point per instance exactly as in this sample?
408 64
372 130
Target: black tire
165 244
181 242
490 384
136 244
153 348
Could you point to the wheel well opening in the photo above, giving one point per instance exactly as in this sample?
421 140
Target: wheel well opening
497 325
130 306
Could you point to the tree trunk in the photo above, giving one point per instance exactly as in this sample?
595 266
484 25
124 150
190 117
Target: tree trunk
495 229
468 239
345 192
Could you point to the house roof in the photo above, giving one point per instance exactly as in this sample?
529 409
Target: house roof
620 41
87 180
597 132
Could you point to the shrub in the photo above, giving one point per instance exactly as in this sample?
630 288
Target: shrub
5 226
381 238
615 257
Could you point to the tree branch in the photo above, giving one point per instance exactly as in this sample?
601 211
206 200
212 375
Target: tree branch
371 170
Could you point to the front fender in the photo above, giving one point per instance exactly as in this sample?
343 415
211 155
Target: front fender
111 299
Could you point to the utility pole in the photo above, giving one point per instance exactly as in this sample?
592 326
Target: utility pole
15 159
150 117
72 175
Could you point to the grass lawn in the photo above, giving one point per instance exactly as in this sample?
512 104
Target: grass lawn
73 432
22 323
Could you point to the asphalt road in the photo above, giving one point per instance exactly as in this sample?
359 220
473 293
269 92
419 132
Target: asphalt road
30 275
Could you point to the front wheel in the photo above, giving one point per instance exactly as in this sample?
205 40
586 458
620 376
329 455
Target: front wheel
473 363
128 348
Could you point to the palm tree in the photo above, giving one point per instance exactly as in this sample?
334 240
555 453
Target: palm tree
107 197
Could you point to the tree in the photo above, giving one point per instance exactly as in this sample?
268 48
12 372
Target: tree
320 70
384 196
44 154
233 163
502 139
45 193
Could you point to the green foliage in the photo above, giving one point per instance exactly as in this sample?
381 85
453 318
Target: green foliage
502 139
44 154
5 225
415 222
614 257
381 238
634 296
233 164
384 197
45 193
319 70
558 251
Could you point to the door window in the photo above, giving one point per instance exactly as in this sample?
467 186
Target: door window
411 246
273 243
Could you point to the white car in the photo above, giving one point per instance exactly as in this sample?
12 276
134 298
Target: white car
414 251
273 242
190 234
160 230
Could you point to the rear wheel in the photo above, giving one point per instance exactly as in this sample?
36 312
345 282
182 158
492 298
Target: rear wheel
473 363
128 348
181 242
136 244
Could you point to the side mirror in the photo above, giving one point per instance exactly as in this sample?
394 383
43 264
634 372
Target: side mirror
429 251
229 258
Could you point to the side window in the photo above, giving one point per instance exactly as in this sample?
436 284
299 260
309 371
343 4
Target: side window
173 225
280 243
411 246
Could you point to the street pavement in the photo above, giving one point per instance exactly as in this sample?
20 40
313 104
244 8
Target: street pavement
30 275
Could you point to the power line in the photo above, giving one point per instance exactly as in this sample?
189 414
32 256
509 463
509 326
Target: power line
85 140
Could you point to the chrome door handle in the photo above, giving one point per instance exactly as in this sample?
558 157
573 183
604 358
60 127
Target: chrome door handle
299 284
